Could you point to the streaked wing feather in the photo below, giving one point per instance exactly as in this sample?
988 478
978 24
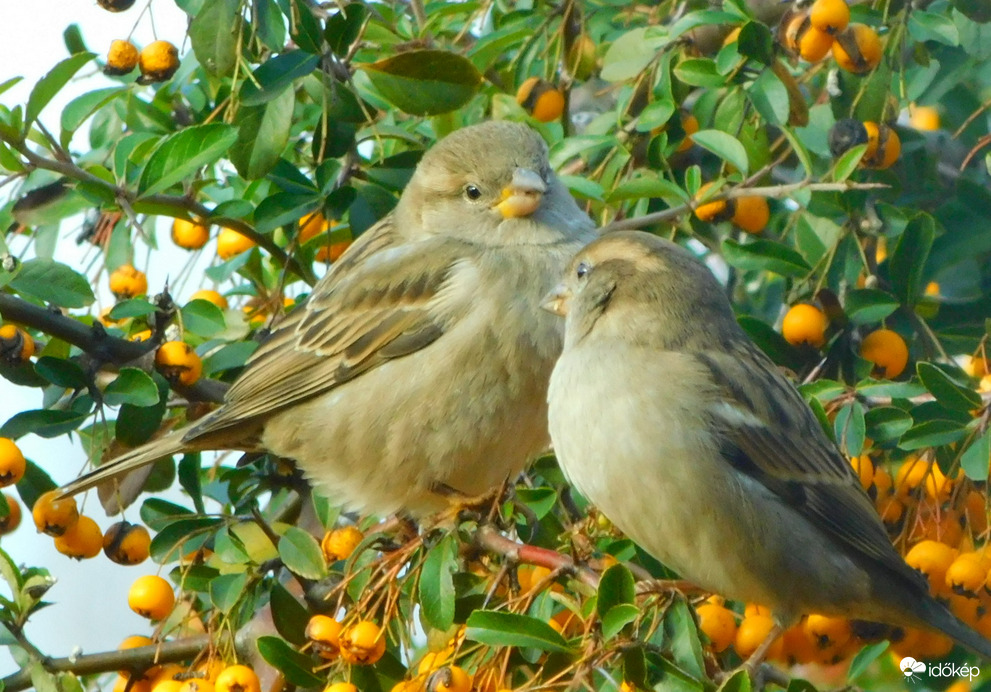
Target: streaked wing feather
770 434
372 307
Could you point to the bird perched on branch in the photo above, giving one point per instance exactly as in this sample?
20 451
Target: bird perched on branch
420 362
704 454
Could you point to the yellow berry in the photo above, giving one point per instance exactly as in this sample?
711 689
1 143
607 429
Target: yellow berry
151 597
121 58
54 516
158 61
178 363
230 243
12 462
128 282
340 543
80 541
804 324
887 350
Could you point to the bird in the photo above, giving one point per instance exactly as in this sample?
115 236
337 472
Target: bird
418 365
675 425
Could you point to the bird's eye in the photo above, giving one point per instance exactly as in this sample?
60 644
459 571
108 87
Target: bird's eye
472 192
582 269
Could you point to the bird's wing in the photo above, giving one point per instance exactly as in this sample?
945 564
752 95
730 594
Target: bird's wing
769 433
386 298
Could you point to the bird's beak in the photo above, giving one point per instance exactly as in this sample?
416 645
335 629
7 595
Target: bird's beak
558 300
522 196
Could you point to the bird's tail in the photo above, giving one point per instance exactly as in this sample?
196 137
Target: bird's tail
936 615
167 445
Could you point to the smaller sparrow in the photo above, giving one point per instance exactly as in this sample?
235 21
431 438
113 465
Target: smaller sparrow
666 416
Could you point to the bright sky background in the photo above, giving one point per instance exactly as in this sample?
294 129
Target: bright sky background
90 597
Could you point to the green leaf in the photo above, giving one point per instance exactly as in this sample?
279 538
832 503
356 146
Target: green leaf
180 537
869 305
436 585
180 155
132 307
213 34
725 147
737 682
289 615
47 423
908 261
49 85
132 386
930 26
850 428
188 472
976 461
263 133
226 590
342 29
765 255
932 433
79 110
769 96
950 394
683 639
301 554
64 373
616 587
630 54
864 658
295 666
425 82
275 75
53 282
848 162
699 72
617 618
203 318
497 628
135 424
886 423
230 356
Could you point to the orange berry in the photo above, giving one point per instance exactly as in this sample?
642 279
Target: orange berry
828 631
751 213
16 345
80 541
123 683
121 58
937 485
924 118
189 234
797 646
231 243
126 543
340 543
210 296
814 44
976 511
829 15
712 211
910 477
887 350
324 633
690 125
857 49
9 523
158 61
151 596
449 679
54 516
541 99
719 625
752 632
883 146
967 574
197 685
332 252
933 559
12 462
178 363
346 687
864 468
751 609
237 678
363 643
804 324
311 226
128 282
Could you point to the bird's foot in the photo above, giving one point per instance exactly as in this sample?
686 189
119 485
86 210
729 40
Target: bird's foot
462 506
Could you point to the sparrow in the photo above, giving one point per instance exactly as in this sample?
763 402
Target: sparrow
665 415
419 363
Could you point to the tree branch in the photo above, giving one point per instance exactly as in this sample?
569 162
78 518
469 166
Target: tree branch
136 659
488 538
96 342
171 202
771 191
